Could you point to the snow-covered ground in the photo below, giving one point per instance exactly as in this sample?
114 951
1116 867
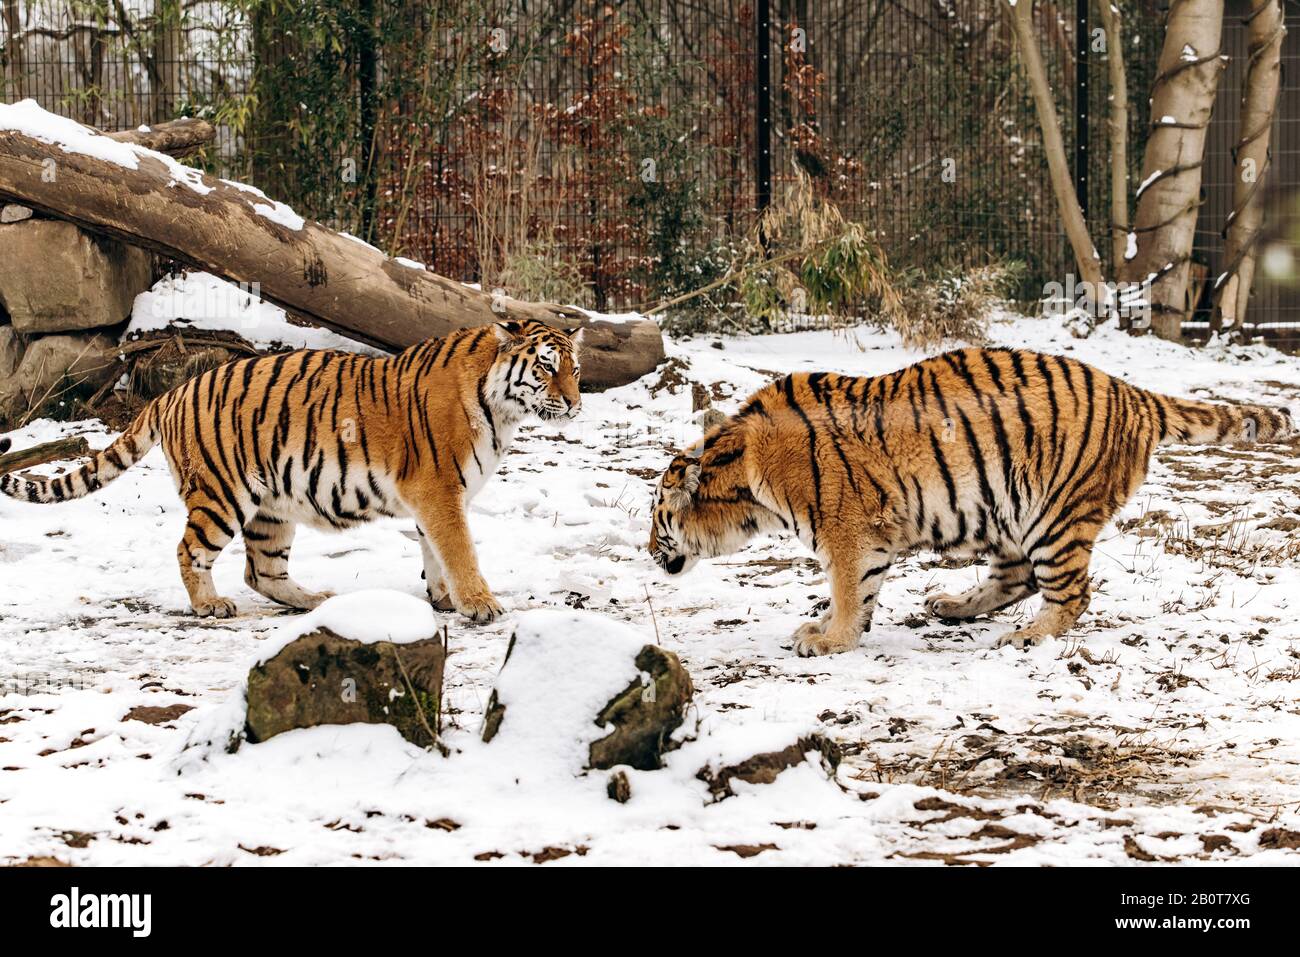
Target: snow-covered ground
1166 727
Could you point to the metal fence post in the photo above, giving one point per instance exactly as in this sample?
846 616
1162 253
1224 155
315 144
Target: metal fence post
1081 39
762 106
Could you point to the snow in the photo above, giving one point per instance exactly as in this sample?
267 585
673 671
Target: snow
1147 182
409 263
370 615
198 300
359 241
1169 710
278 212
1131 246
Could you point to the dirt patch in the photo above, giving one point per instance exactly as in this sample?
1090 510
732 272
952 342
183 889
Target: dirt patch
672 377
157 715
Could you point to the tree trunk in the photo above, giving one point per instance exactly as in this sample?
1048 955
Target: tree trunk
1118 123
1187 79
1076 228
271 134
168 54
177 138
15 87
324 277
1252 158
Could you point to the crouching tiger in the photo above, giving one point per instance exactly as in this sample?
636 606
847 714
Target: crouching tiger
1019 456
332 440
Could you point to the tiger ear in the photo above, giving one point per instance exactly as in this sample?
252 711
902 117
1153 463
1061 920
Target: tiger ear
685 472
575 336
509 331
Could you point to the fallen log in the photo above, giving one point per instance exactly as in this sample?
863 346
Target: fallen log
56 451
175 138
148 199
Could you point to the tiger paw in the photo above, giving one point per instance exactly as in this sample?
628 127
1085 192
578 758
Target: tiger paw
217 608
480 607
943 606
810 641
313 599
442 602
1022 639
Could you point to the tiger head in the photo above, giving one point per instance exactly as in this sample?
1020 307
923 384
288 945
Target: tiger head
538 368
688 523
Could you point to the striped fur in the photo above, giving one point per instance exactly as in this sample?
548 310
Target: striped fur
1015 455
332 440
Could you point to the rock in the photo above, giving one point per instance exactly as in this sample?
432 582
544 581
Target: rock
11 352
583 678
619 787
56 278
764 768
323 678
85 360
13 213
644 715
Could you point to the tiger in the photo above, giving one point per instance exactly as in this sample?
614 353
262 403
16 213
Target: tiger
1018 456
331 440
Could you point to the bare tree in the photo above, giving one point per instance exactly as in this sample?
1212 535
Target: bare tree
1076 228
1112 22
14 50
168 55
1252 157
1168 198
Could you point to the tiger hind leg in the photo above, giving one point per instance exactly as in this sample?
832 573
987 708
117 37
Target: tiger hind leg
1010 580
209 529
268 541
1061 572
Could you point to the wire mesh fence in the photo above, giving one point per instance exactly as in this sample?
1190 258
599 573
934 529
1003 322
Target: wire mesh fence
610 152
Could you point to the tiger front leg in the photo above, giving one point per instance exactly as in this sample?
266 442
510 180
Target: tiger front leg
855 584
435 584
442 524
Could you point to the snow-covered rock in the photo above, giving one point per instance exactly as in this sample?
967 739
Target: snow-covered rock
372 657
588 690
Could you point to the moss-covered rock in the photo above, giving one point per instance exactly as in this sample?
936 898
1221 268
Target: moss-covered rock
644 715
322 678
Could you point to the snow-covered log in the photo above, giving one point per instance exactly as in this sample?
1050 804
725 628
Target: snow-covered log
175 138
148 199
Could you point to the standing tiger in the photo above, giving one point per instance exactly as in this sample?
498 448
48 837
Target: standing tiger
332 440
1020 456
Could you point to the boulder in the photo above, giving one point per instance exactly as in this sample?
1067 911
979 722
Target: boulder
85 360
56 278
586 678
324 678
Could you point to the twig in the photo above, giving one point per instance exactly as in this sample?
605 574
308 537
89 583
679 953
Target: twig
653 620
419 708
